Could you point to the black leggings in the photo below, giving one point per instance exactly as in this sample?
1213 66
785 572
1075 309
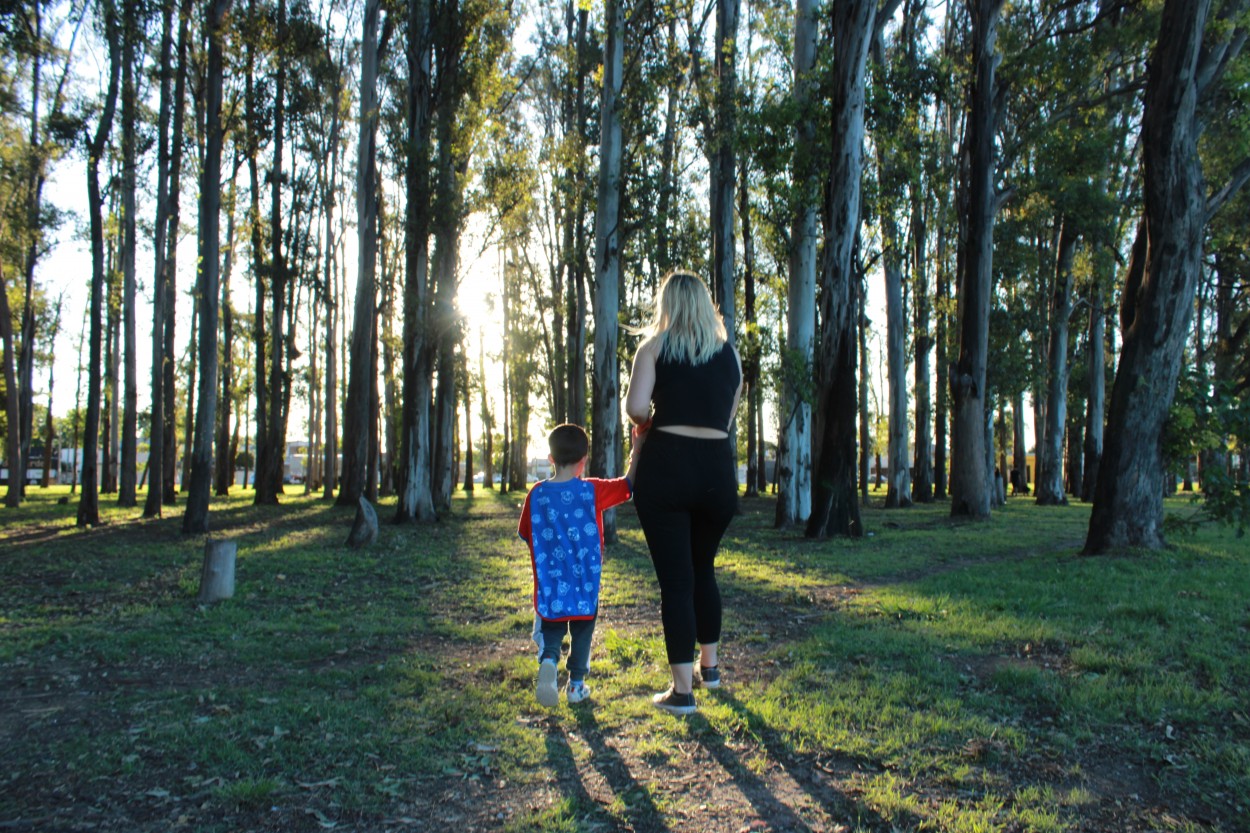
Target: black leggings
686 494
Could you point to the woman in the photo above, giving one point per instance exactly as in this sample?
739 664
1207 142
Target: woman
686 490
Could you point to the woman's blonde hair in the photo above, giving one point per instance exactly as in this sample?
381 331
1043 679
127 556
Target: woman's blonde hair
686 322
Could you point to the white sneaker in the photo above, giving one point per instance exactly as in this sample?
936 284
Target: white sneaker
545 690
578 691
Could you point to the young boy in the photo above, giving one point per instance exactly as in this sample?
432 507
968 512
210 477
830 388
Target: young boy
562 521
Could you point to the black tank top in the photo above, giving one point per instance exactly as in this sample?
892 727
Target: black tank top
696 394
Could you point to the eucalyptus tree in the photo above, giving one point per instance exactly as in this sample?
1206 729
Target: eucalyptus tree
606 419
970 477
835 506
169 261
38 90
13 446
161 239
195 518
132 23
1189 62
416 499
471 40
89 503
269 464
892 111
357 429
794 495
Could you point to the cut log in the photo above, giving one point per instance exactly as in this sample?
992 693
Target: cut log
217 579
365 527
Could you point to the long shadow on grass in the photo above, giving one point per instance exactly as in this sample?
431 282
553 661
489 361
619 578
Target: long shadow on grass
834 801
614 771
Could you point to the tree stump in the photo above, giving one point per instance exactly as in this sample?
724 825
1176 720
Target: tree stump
365 527
217 578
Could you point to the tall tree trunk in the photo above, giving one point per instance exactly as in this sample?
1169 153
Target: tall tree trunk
49 429
898 488
1075 447
195 520
160 285
126 496
356 409
24 386
606 425
1019 449
224 474
970 494
1050 455
1163 271
13 446
112 361
89 503
922 485
188 432
941 410
724 160
751 359
576 341
794 474
330 470
835 506
452 160
468 429
390 425
416 501
269 473
1096 397
488 422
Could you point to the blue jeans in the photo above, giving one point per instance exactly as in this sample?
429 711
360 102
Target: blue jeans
580 632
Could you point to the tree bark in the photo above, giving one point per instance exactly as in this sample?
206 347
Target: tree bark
606 426
156 421
195 520
416 502
1095 400
356 409
170 453
13 444
269 475
970 493
835 506
794 475
1050 490
224 475
922 481
128 472
89 502
1163 271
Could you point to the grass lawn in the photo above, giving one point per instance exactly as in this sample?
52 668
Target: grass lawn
933 675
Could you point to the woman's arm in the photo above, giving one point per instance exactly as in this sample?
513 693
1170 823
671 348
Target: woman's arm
641 384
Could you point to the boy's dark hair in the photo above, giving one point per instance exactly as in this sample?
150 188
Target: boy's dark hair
568 443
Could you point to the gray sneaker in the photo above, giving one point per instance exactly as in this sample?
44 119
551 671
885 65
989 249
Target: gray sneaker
578 691
546 690
674 703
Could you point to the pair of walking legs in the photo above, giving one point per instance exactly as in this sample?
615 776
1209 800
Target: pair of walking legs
685 496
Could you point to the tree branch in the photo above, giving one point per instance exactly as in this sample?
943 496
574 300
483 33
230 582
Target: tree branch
1236 180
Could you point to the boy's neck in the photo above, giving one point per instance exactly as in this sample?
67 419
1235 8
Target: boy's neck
563 474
